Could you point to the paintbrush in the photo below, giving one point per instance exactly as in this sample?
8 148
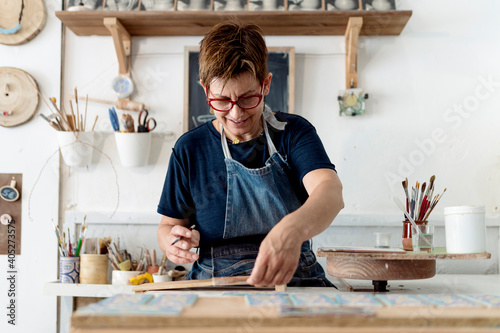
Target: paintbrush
438 197
95 122
422 202
179 238
58 240
85 119
405 187
71 117
77 109
69 243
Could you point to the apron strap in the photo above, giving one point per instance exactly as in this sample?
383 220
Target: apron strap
225 146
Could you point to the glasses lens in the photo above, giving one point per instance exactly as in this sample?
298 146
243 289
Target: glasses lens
249 102
220 105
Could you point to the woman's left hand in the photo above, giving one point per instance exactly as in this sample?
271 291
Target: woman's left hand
278 258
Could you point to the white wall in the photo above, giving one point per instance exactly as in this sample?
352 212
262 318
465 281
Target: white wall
414 80
442 59
25 149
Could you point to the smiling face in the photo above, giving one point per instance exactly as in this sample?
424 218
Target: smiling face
238 123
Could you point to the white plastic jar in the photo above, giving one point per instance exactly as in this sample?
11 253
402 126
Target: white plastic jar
465 229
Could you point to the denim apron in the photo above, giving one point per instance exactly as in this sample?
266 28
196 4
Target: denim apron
257 199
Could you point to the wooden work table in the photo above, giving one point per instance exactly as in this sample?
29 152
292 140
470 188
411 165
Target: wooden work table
213 312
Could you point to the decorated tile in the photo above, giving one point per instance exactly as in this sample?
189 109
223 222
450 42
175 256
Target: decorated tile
126 300
304 311
174 300
450 300
402 300
260 300
252 292
313 299
488 300
357 299
133 304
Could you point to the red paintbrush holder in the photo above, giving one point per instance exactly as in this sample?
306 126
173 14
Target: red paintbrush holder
407 242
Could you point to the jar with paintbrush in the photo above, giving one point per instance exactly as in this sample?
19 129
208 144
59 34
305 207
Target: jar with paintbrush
76 141
418 235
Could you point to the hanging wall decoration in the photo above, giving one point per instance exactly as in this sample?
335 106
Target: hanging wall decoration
352 102
21 20
18 97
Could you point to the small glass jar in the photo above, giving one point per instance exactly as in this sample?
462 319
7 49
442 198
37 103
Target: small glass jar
407 241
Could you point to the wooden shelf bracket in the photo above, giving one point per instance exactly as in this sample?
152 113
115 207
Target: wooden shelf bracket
123 43
351 45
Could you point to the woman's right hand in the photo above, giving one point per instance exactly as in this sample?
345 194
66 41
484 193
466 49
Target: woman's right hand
179 253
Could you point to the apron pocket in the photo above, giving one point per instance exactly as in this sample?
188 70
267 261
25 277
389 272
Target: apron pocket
239 268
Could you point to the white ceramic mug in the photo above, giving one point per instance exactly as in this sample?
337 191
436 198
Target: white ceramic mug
197 4
233 5
269 4
161 278
123 277
163 5
310 4
345 4
381 4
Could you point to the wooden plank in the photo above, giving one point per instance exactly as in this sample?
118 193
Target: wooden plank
285 23
260 329
221 281
439 253
231 314
351 45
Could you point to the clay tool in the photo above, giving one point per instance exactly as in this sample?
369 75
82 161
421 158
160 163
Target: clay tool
179 238
162 264
59 113
55 125
153 257
118 255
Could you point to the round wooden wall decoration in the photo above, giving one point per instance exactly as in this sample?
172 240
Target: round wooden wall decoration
20 20
18 97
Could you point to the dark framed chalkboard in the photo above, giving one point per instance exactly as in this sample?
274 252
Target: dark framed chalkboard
281 62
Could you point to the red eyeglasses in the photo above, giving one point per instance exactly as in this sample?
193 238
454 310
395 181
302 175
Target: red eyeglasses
225 105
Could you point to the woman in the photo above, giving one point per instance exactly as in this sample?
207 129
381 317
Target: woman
256 185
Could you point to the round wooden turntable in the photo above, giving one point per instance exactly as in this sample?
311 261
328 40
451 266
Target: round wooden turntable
381 265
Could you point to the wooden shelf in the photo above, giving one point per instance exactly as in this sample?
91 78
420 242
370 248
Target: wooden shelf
197 23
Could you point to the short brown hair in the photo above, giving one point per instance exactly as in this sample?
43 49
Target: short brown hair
231 48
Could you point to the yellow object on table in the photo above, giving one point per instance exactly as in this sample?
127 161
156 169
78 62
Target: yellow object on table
136 280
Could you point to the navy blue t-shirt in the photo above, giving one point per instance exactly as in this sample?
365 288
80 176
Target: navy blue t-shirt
196 187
